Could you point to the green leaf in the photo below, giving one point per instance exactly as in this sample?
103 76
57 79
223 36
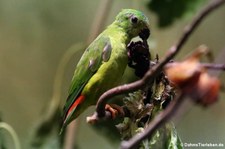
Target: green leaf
170 10
165 137
173 141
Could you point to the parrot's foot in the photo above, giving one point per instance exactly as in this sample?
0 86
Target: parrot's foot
111 112
115 110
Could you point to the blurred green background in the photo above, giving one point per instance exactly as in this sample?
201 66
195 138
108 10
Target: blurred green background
34 34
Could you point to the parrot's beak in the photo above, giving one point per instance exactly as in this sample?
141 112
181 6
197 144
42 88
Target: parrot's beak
144 34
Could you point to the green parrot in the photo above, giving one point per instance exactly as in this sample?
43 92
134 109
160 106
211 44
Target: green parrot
102 65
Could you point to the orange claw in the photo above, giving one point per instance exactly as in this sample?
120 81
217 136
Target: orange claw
114 109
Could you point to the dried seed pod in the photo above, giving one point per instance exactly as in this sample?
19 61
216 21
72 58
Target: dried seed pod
193 80
207 89
139 57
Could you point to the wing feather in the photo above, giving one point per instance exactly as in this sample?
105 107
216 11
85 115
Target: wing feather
89 63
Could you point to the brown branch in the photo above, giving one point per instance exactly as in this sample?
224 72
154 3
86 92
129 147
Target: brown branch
157 122
173 107
219 59
164 116
150 74
214 66
211 66
95 118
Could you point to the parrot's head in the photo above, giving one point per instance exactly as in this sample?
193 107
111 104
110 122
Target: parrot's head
133 22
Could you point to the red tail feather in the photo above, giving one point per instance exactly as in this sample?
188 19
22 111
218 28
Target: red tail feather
79 100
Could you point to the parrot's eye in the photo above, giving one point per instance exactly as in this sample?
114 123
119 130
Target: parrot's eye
134 19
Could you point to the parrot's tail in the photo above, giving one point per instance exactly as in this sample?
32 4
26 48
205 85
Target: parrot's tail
68 117
79 100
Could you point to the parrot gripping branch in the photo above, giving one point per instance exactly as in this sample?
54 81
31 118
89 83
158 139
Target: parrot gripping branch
151 74
100 59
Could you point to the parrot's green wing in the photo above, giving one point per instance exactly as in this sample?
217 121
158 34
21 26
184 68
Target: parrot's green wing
98 52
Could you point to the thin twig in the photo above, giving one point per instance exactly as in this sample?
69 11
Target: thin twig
211 66
214 66
150 75
219 59
157 122
70 136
